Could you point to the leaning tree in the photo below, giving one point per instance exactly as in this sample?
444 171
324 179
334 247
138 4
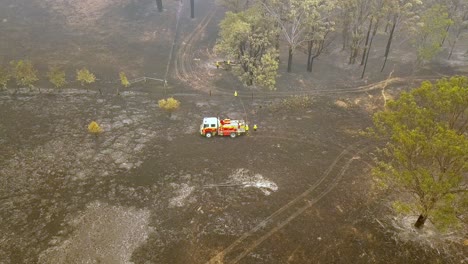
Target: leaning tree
426 151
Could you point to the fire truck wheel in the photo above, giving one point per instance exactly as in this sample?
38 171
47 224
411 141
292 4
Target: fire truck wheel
208 135
233 135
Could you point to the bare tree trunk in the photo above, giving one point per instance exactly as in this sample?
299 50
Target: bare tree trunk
309 53
160 5
448 27
354 52
250 79
451 49
454 43
345 35
420 222
290 58
367 41
445 37
374 32
246 6
389 43
311 63
192 8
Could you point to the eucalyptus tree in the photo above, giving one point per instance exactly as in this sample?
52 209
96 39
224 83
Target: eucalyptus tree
317 43
456 9
459 18
358 11
248 38
400 12
425 156
320 25
431 32
379 9
295 19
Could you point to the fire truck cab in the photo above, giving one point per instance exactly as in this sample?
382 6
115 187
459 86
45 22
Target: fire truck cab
212 126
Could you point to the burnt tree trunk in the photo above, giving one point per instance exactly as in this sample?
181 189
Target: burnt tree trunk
452 46
374 32
345 35
311 63
354 52
160 5
192 8
250 79
389 43
367 41
420 222
309 53
310 57
451 49
445 37
290 58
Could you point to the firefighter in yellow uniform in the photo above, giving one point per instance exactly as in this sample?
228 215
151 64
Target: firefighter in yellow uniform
255 127
246 128
217 64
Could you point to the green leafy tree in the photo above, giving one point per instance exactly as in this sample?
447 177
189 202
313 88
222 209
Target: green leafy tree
5 76
170 105
356 13
249 38
85 77
24 72
267 70
426 154
431 33
457 9
123 80
57 76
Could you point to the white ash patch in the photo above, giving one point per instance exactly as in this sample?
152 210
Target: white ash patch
247 179
103 234
66 158
227 224
183 192
429 235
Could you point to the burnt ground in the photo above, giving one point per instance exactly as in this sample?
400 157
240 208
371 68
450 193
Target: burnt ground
149 189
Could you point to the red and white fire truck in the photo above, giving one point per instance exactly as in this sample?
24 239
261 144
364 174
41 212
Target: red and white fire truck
213 126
